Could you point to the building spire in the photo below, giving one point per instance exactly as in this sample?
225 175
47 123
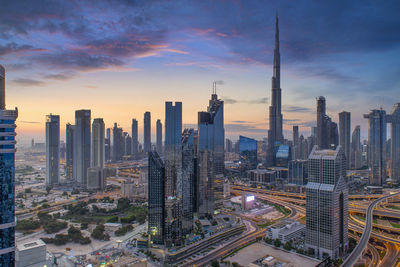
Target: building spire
277 32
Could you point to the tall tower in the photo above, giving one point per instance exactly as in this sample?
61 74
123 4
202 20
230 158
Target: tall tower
355 155
135 138
7 176
52 149
69 158
275 110
147 132
344 134
98 144
159 136
82 145
118 144
322 127
394 120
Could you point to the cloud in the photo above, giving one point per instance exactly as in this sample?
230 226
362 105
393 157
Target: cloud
28 82
229 100
296 109
59 76
15 48
239 121
30 122
243 128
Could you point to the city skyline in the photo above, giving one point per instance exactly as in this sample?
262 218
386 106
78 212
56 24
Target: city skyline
116 73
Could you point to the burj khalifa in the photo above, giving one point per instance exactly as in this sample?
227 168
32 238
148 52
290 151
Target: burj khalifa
275 134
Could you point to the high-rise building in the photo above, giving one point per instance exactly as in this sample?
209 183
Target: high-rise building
376 146
118 144
82 145
69 158
327 131
344 136
52 149
98 143
173 174
210 155
107 146
147 132
128 144
95 179
296 146
135 142
188 179
156 192
247 153
275 132
394 120
298 172
355 156
228 145
327 203
159 136
7 177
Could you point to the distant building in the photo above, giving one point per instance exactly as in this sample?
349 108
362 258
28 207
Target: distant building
286 231
69 157
159 136
376 146
327 203
118 143
344 135
296 146
7 178
147 132
98 143
394 120
52 149
327 132
261 177
298 172
128 144
282 155
107 146
135 142
156 203
32 254
82 145
247 153
95 180
355 155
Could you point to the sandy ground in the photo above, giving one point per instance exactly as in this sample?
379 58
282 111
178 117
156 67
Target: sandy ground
258 250
273 215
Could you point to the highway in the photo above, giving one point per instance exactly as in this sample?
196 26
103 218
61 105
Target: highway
392 253
358 250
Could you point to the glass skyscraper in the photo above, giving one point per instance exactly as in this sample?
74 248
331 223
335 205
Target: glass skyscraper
7 175
247 153
159 136
394 120
52 149
327 203
82 145
147 132
98 143
135 142
69 158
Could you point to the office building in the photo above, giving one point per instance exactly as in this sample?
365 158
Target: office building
188 179
275 132
135 142
156 204
52 149
286 231
95 178
282 155
327 130
295 144
344 135
82 145
394 120
98 143
69 154
173 174
159 136
107 146
118 143
298 172
32 254
210 154
247 153
327 203
355 156
128 144
376 146
7 178
228 145
147 132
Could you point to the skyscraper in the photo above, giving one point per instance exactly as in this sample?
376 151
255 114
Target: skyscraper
98 143
147 132
69 158
52 149
210 155
128 144
118 143
355 156
159 136
247 153
376 146
107 146
327 131
135 143
156 192
275 111
327 203
344 136
82 146
188 179
173 173
394 120
296 146
7 176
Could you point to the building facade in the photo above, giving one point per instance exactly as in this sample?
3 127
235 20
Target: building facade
394 120
355 155
52 149
344 134
135 141
327 204
159 136
7 178
69 154
98 143
82 146
147 132
247 153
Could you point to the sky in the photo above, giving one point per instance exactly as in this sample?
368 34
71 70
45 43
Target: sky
122 58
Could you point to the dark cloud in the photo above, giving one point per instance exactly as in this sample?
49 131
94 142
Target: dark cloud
27 82
243 127
296 109
59 76
14 48
30 122
239 121
229 100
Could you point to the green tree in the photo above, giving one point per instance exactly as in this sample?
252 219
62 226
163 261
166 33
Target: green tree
48 189
287 246
214 263
277 243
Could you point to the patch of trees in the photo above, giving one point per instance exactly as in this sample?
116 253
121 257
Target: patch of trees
98 233
123 230
50 224
28 224
74 235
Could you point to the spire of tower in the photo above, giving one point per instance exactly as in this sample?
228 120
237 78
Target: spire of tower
277 33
